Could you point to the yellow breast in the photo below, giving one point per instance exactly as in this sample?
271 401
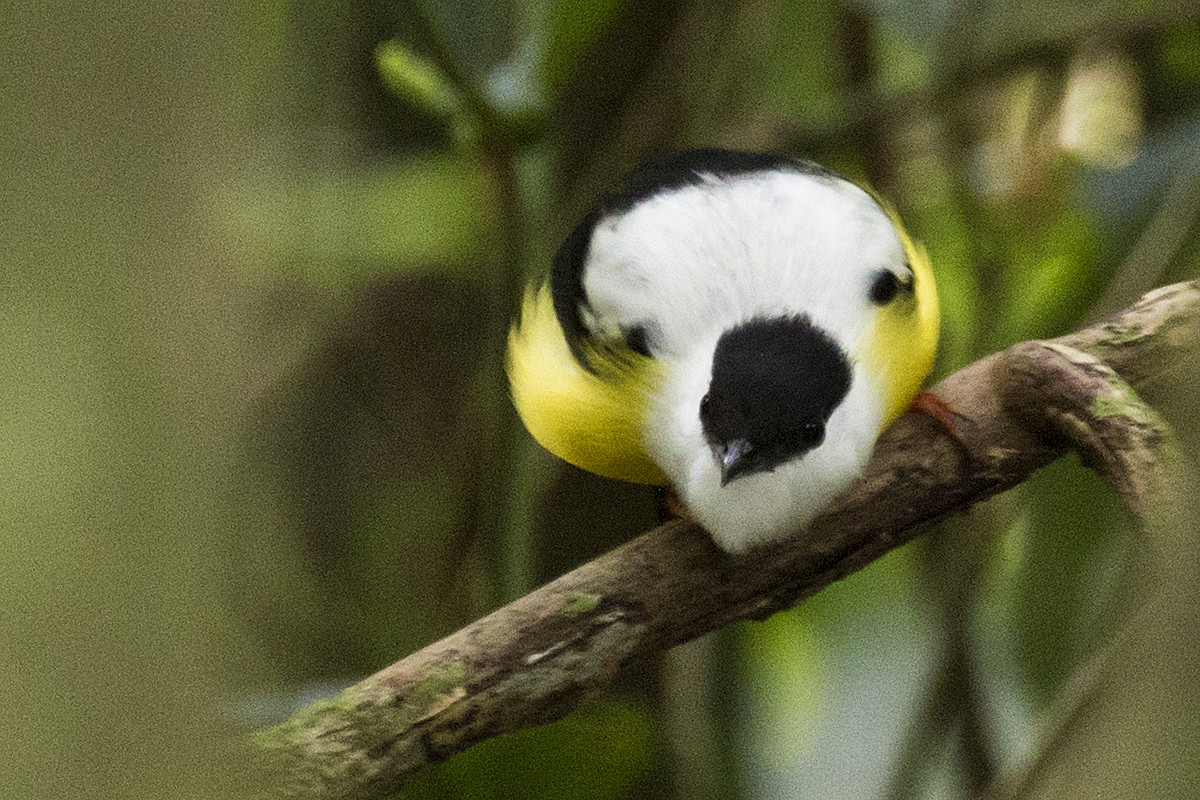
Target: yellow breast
593 420
900 347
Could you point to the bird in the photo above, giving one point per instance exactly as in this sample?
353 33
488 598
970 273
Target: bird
737 326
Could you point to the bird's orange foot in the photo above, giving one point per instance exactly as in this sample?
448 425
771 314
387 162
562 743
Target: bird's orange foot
947 417
940 410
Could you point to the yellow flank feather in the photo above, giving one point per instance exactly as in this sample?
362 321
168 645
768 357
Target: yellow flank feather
903 342
592 420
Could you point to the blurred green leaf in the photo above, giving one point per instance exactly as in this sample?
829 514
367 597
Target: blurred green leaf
419 81
596 753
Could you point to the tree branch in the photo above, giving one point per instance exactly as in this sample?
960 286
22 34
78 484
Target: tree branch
1075 396
533 660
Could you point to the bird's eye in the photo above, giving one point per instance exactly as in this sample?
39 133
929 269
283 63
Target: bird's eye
812 434
705 407
637 338
885 287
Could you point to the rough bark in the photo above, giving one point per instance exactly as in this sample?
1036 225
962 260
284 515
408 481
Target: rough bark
533 660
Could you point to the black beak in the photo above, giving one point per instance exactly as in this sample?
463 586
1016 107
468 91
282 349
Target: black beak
735 459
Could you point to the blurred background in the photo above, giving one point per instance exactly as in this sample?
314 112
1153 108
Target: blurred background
257 265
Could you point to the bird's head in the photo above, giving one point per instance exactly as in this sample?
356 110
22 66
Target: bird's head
775 382
760 430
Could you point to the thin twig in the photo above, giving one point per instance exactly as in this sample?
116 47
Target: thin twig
487 520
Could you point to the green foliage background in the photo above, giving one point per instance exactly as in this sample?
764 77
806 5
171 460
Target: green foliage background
257 265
